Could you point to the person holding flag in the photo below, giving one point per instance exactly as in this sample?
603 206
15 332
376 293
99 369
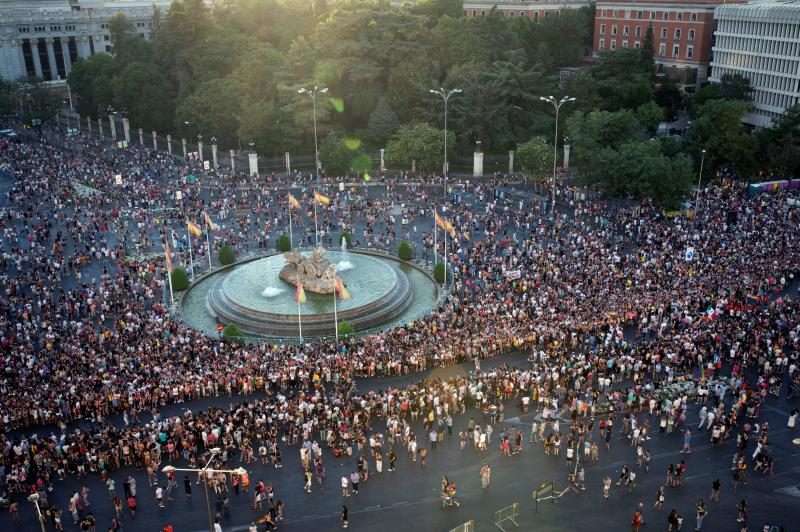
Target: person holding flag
192 228
210 226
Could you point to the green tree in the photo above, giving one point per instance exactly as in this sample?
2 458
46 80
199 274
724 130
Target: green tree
226 255
433 10
419 142
337 154
213 108
142 90
283 243
592 132
40 101
383 123
91 81
438 272
404 251
650 115
534 158
232 333
647 53
719 130
8 96
126 45
735 87
780 144
622 81
409 86
345 329
180 280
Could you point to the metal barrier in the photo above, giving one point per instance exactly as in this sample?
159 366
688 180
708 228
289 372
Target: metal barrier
509 513
469 526
546 491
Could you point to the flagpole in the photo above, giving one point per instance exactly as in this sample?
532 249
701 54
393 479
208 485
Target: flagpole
445 253
335 316
435 232
169 276
208 246
291 245
191 260
299 322
316 231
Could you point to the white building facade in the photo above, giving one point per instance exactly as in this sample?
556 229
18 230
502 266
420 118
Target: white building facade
43 38
761 41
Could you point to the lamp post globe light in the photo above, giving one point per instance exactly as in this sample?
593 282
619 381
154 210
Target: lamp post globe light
557 105
34 498
313 95
445 95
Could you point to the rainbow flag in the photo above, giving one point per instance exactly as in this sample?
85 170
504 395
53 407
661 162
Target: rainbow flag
211 225
293 202
321 198
194 228
168 256
300 294
341 289
438 220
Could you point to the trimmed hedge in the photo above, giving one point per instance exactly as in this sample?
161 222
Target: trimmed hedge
404 251
438 272
180 280
283 244
226 255
232 333
345 329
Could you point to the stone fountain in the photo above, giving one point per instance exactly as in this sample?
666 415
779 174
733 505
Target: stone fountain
314 272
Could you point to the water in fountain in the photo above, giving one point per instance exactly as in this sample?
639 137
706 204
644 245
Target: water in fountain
271 291
344 265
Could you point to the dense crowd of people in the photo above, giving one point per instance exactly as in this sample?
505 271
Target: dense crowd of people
624 327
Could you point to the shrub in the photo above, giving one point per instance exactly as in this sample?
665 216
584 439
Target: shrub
345 329
226 255
283 243
438 272
404 251
180 280
232 333
347 237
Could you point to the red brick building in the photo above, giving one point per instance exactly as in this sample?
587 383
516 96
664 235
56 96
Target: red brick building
532 9
683 32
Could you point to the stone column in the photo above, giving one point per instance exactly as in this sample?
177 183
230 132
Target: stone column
65 54
141 137
126 129
51 57
183 141
37 64
253 160
169 144
113 127
511 161
288 158
383 160
89 124
477 164
100 126
566 156
78 118
155 141
200 149
233 160
214 154
413 166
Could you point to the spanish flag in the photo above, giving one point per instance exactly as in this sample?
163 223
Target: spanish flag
194 228
293 201
466 235
300 294
211 225
321 198
339 286
168 256
439 220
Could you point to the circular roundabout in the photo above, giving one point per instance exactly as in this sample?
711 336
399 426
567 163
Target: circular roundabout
256 296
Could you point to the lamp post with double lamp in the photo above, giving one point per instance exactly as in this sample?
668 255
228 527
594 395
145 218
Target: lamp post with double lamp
697 192
203 471
445 95
313 95
557 105
34 498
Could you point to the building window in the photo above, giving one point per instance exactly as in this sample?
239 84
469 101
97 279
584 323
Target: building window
69 27
55 28
652 15
25 29
602 29
603 13
663 33
680 17
676 51
627 14
694 17
689 52
38 28
691 35
602 44
666 15
639 15
614 29
638 31
625 31
624 44
106 38
662 49
637 45
677 34
613 45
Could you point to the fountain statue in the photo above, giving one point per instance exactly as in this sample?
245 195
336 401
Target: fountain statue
314 271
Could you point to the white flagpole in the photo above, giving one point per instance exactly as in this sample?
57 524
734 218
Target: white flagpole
299 322
445 253
435 232
208 246
171 294
335 316
191 260
316 231
291 245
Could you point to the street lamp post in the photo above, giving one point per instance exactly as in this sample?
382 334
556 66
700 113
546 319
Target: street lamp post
557 105
313 95
445 95
697 192
34 498
206 469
